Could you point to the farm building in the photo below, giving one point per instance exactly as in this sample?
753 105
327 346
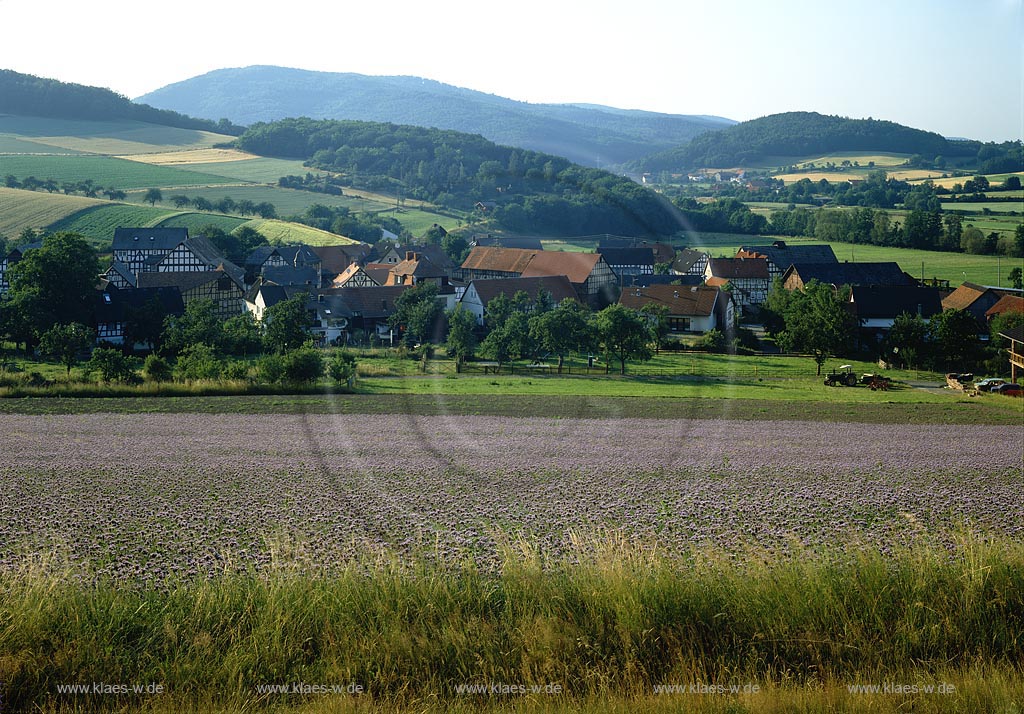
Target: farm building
840 274
415 269
355 276
746 277
132 247
217 285
1006 304
114 307
1014 337
697 308
479 293
976 299
629 261
689 262
780 256
877 307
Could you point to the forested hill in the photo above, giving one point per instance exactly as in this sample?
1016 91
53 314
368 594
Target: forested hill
587 134
28 95
520 190
796 134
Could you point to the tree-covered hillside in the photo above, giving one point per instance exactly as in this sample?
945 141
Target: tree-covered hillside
590 135
518 189
795 134
28 95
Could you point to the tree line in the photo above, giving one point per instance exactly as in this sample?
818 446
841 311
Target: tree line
28 95
514 188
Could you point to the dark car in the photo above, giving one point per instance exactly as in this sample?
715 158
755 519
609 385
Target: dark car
1009 390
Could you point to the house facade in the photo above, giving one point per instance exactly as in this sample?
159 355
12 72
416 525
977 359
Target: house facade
780 255
689 309
113 309
137 248
217 285
479 293
747 278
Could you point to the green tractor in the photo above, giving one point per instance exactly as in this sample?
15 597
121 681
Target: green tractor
843 378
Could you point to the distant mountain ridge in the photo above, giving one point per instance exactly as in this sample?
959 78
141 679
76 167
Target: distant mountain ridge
588 134
793 134
28 95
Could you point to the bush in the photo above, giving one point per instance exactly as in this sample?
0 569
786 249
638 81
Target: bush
270 369
199 361
710 341
237 371
156 369
342 367
305 364
111 365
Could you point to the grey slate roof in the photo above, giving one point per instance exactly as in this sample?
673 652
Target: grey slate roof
783 255
112 305
287 275
148 238
838 274
627 256
889 301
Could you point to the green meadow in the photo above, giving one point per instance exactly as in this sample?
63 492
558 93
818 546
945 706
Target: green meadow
104 171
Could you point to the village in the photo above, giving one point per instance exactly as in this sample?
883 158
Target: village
351 292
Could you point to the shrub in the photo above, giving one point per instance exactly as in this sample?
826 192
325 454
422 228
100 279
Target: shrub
710 341
236 370
156 369
199 361
270 369
111 365
342 366
305 364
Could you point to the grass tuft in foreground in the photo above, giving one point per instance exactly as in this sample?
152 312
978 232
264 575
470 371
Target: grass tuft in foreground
608 624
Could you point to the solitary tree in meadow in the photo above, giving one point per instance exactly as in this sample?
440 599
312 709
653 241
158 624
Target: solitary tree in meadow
152 196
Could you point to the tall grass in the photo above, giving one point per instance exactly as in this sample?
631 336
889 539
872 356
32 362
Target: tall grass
607 622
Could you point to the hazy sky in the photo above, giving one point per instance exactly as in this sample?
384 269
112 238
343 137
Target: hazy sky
951 66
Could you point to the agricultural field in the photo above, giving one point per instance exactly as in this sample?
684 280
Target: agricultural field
287 201
191 157
454 483
105 137
98 222
982 206
105 171
256 169
993 179
277 231
32 209
954 267
195 221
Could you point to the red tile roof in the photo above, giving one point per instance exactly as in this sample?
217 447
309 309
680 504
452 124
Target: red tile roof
1007 303
576 266
697 300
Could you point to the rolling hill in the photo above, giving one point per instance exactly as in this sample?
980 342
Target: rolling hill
590 135
800 134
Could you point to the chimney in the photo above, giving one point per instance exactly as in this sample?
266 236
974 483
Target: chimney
409 255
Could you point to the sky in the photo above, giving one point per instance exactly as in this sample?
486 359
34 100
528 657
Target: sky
950 66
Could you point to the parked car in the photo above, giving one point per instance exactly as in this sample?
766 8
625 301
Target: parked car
986 385
1009 390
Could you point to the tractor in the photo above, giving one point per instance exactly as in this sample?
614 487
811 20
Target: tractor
844 378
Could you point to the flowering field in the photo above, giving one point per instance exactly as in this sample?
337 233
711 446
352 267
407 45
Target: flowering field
147 497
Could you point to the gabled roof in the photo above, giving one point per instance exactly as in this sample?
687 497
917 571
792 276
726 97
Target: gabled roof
350 272
298 255
121 269
1014 334
838 274
371 303
379 272
417 265
288 275
576 266
1007 303
889 301
259 255
505 260
628 256
112 304
148 238
697 300
964 296
557 285
739 268
686 259
642 281
783 255
183 280
336 258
